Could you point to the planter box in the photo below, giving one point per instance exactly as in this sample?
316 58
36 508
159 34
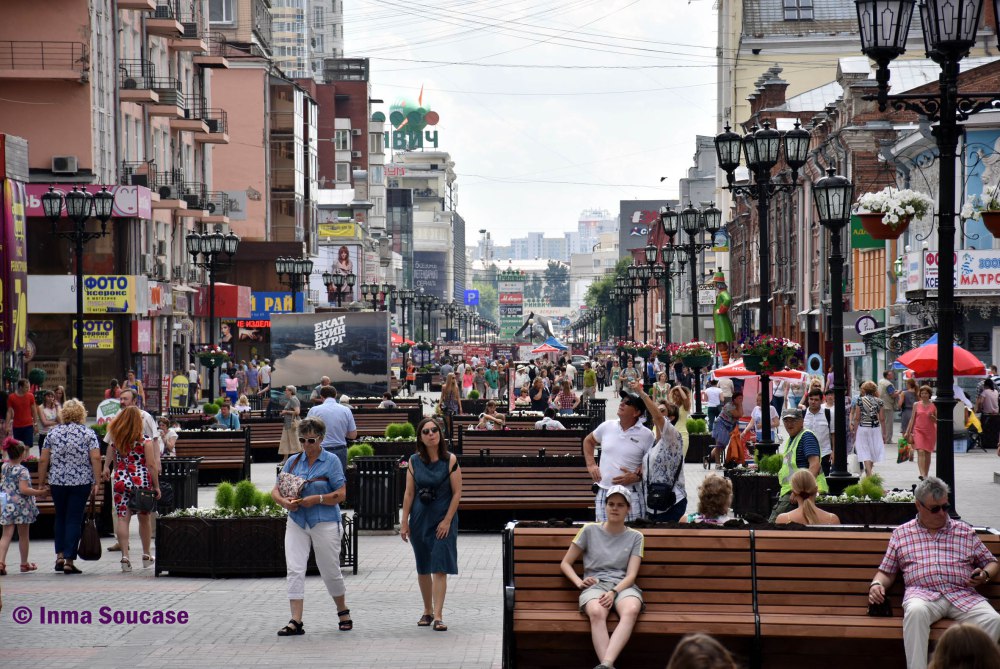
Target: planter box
234 547
873 513
753 494
699 446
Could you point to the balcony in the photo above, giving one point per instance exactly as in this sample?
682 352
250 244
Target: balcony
136 78
217 127
195 196
140 5
170 187
171 98
141 173
194 117
281 122
215 57
218 207
68 61
192 39
165 21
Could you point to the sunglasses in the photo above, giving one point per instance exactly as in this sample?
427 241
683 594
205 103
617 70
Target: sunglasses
429 430
937 508
308 440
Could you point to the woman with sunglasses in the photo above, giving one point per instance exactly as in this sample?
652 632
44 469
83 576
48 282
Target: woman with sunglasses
430 518
314 522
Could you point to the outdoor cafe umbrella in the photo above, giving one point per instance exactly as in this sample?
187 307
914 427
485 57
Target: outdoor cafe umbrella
736 370
545 348
923 360
397 340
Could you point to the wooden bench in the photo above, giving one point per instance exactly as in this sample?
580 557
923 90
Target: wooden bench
692 581
264 434
522 442
219 449
47 508
462 422
493 496
813 585
372 422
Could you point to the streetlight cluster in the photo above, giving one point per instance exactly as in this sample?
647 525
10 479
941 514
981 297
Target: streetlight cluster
293 272
335 283
589 327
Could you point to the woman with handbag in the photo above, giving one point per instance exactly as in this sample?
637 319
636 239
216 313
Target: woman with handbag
135 481
71 466
311 486
663 467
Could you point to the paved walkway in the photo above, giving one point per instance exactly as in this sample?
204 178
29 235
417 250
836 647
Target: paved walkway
233 621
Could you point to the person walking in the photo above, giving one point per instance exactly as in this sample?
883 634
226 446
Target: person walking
616 374
339 424
22 414
907 398
888 394
430 518
192 376
468 379
20 511
921 430
314 523
492 377
589 383
712 396
289 444
987 406
602 376
566 400
71 467
866 425
135 385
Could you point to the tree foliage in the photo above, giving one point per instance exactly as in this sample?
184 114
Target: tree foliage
557 284
487 300
599 294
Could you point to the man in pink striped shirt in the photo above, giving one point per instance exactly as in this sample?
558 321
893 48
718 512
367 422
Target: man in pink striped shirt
943 562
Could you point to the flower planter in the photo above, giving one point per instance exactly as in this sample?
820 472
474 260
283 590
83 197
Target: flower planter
991 219
699 446
236 547
663 357
699 361
752 362
753 493
873 225
872 513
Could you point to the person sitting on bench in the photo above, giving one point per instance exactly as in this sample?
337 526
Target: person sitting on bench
611 557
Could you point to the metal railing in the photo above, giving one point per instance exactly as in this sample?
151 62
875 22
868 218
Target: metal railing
218 203
136 73
169 91
44 56
215 118
217 44
141 173
195 194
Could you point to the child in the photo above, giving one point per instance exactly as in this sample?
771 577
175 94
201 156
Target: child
20 509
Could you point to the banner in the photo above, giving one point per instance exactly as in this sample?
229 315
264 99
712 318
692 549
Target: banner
13 269
109 294
97 335
430 273
263 304
337 259
337 230
860 239
107 410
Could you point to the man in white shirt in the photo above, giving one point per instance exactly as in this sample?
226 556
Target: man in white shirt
570 373
623 443
549 422
819 421
712 396
521 378
192 385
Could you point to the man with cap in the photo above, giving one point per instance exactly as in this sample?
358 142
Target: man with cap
800 451
492 381
623 443
521 379
612 554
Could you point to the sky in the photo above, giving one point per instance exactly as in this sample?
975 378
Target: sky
548 107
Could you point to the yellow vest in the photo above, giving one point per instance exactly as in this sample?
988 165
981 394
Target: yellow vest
788 466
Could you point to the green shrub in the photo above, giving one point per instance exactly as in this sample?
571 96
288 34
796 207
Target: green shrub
872 488
770 463
473 394
409 432
393 430
245 495
210 409
696 426
264 500
854 490
101 429
359 451
37 376
224 495
220 400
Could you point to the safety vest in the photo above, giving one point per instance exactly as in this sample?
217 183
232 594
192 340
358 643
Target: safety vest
788 466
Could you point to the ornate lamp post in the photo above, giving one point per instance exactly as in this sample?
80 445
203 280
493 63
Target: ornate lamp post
294 273
210 247
80 206
834 196
761 148
645 273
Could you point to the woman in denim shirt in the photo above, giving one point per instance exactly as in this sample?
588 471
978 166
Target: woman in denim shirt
314 521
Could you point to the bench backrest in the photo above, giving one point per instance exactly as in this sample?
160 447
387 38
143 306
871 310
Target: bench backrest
518 483
214 447
372 422
526 442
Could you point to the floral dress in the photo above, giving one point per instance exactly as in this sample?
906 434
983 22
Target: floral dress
19 509
130 473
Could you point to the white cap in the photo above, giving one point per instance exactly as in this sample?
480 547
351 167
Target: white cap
620 490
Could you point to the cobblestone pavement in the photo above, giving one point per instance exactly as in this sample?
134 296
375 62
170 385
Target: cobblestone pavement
233 621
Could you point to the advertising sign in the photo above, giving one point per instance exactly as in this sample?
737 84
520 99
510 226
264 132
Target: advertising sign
97 335
860 239
351 348
337 259
636 219
854 349
511 298
429 273
130 201
263 304
337 229
706 296
109 294
107 410
13 269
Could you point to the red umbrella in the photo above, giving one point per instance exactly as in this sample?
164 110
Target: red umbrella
397 340
923 360
736 370
545 348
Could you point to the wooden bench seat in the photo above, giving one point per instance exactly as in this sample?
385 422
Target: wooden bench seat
462 422
264 434
47 508
522 442
525 488
372 422
692 581
219 450
814 584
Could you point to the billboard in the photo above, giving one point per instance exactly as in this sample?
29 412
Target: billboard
430 273
352 348
637 217
13 268
510 296
337 259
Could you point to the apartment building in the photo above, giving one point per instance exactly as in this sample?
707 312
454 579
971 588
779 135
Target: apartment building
307 32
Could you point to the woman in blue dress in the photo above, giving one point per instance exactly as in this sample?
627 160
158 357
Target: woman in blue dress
430 520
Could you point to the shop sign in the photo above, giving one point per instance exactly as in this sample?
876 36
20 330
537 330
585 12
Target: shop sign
860 239
97 335
854 349
511 298
13 268
263 304
865 324
337 230
107 410
109 294
142 336
510 286
130 201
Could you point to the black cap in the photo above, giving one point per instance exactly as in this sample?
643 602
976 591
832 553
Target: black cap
632 399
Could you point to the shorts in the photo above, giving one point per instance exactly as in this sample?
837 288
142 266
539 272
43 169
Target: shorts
595 591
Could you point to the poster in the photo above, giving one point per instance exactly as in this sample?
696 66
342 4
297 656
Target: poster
352 348
982 180
337 259
430 274
227 333
109 294
13 269
107 410
97 334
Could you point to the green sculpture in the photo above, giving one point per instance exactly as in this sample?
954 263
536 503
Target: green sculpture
724 334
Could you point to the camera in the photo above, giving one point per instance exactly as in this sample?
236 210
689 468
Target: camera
427 495
481 416
595 487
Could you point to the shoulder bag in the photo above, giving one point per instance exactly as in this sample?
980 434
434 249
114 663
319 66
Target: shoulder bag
660 495
291 485
90 538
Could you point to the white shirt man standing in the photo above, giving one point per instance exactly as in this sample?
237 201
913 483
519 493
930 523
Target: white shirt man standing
819 421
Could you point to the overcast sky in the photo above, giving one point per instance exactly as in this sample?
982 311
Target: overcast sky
571 104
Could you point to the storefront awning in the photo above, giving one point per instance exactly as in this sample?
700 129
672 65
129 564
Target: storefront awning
183 289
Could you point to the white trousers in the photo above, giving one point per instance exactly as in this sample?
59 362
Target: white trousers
920 614
325 541
491 393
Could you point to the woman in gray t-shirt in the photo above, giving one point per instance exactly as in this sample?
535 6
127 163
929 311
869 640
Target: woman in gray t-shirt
611 555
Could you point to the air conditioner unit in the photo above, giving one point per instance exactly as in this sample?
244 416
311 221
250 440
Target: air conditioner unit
148 264
161 270
178 273
355 154
130 83
65 165
193 201
356 132
162 12
212 124
161 248
139 180
194 275
190 30
169 192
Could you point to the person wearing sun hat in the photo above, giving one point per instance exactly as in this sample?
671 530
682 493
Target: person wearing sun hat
611 554
623 442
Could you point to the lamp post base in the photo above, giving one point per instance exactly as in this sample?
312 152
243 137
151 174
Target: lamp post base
767 447
837 482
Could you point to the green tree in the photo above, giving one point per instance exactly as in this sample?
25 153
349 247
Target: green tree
599 294
487 300
533 287
557 284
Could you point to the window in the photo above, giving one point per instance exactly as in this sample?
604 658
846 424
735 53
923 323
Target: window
343 172
798 10
342 140
375 143
220 11
377 174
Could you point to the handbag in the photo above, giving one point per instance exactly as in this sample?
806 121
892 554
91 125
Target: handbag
660 496
141 500
883 610
90 538
291 485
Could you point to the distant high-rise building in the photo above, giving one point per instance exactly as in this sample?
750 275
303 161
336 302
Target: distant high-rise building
305 32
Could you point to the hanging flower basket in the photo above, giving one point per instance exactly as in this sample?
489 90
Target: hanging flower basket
213 356
873 225
425 346
664 357
752 362
403 348
991 219
699 361
11 374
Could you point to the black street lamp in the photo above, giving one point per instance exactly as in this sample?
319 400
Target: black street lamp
388 292
666 272
80 206
949 34
335 284
645 273
761 147
294 273
834 196
210 246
